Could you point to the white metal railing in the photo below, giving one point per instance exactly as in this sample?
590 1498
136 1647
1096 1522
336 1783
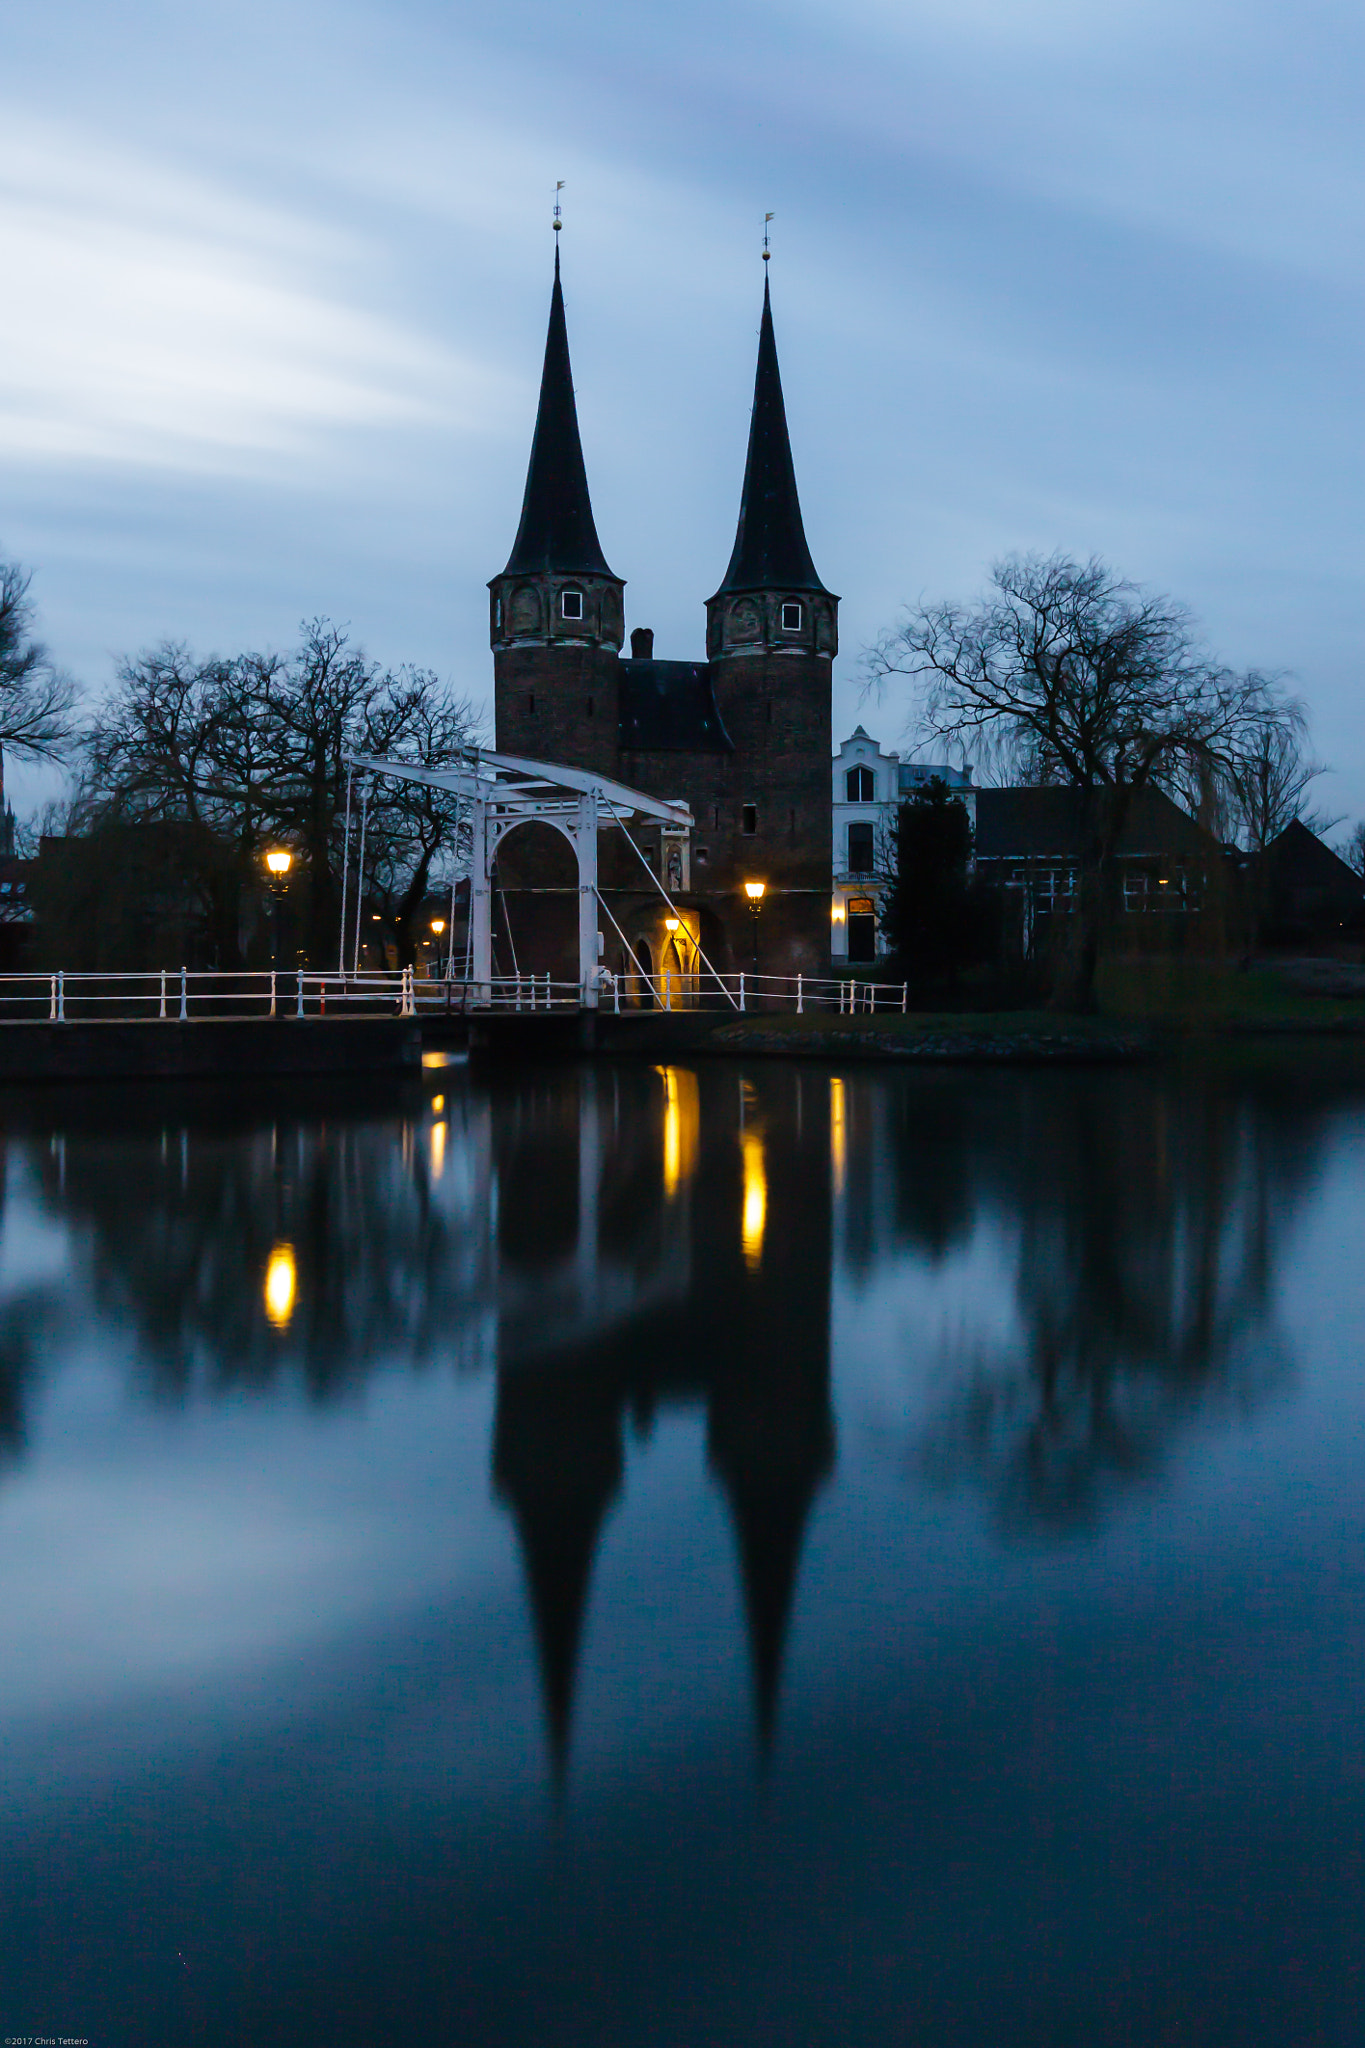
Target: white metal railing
637 991
181 995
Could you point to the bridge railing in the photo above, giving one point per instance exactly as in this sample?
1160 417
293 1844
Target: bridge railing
183 994
738 994
180 995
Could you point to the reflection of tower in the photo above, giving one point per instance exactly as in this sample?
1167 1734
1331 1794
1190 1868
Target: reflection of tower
557 1464
772 1443
741 1325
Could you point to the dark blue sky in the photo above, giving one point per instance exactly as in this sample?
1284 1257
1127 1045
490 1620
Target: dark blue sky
1045 276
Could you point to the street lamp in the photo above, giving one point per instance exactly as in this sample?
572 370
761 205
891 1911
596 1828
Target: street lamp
671 924
754 892
278 861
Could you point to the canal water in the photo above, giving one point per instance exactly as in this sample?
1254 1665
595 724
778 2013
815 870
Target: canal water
686 1556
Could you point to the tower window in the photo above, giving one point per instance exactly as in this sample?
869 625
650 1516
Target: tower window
531 702
701 854
571 604
590 707
750 817
715 816
770 710
791 618
860 785
497 613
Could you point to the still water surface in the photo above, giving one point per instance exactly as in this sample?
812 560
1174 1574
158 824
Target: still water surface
686 1556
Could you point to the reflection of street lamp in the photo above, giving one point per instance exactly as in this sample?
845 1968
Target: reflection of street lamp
754 892
278 861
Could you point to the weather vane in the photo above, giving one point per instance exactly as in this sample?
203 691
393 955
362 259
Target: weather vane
559 215
767 252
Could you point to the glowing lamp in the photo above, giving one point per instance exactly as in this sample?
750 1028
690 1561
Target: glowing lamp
279 860
670 924
754 891
438 925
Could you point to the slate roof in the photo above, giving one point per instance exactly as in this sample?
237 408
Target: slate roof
1045 824
557 534
770 551
669 707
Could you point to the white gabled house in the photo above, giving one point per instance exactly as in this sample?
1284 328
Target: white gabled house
868 785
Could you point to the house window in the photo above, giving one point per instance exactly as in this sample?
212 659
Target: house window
860 849
860 783
571 604
750 817
791 618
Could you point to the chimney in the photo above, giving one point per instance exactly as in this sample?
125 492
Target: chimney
642 644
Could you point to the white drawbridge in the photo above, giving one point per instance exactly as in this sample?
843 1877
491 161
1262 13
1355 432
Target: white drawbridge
503 791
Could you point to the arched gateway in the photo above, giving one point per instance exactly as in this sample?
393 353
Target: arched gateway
504 791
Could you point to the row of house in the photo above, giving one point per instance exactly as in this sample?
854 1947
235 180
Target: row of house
1028 840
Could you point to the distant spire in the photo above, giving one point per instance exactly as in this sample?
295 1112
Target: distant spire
557 534
770 551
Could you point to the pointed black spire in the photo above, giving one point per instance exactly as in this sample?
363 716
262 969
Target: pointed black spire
557 1463
556 534
770 551
772 1444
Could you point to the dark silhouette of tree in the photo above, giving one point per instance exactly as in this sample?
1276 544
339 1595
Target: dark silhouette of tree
250 751
1066 673
36 699
932 915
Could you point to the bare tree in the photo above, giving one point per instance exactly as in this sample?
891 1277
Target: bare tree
252 749
1269 777
36 699
1064 672
1353 852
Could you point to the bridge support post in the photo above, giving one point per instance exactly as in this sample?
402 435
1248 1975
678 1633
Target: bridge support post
585 844
480 906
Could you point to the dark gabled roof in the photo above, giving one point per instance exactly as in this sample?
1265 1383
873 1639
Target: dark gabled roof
1045 824
1298 859
557 534
770 551
669 707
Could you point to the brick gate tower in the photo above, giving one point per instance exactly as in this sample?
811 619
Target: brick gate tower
744 738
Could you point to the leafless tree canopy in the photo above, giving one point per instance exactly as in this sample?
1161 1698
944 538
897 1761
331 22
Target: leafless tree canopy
1064 672
36 700
252 750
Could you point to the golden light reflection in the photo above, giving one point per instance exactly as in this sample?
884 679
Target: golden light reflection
755 1199
682 1122
438 1149
281 1285
838 1131
438 1103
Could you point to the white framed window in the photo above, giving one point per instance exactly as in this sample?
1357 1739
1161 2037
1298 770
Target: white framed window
571 604
792 617
861 784
860 849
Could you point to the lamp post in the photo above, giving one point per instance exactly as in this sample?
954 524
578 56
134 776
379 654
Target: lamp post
438 925
278 861
754 892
